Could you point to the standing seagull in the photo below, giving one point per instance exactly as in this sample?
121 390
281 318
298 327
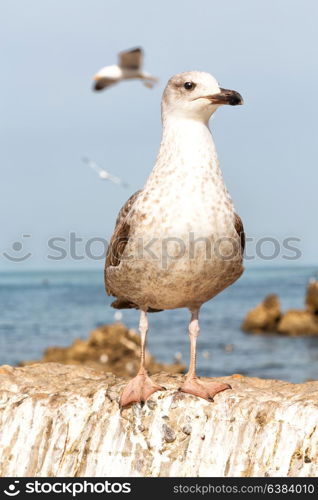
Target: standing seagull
129 66
178 242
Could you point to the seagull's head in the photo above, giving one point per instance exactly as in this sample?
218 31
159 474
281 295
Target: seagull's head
196 95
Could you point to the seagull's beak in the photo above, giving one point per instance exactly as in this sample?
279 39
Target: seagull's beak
226 96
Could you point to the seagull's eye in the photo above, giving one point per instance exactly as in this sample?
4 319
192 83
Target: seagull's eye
189 85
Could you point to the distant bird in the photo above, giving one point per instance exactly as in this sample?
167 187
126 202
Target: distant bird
103 174
128 67
118 316
178 242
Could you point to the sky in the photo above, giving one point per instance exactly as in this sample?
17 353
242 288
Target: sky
50 119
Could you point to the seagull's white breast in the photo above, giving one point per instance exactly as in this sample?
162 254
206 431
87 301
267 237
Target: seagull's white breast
186 191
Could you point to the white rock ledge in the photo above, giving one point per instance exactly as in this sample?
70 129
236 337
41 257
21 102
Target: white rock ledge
59 420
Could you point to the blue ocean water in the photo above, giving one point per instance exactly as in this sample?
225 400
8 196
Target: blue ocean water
41 309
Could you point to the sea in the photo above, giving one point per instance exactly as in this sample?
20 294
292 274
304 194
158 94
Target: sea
48 308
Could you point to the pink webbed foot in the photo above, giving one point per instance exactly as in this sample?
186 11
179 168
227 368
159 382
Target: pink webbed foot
205 390
139 389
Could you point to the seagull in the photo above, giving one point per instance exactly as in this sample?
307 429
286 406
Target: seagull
129 66
103 174
178 242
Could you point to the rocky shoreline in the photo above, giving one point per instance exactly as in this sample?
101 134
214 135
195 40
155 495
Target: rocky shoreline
267 317
109 348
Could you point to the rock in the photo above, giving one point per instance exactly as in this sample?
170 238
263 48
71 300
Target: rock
266 317
298 323
113 348
263 317
62 420
312 297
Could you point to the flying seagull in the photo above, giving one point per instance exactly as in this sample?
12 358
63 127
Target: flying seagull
129 66
103 174
178 241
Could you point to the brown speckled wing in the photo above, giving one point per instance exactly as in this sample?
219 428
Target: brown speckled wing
125 209
115 250
238 224
119 239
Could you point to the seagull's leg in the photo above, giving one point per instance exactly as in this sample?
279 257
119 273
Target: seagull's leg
140 388
192 384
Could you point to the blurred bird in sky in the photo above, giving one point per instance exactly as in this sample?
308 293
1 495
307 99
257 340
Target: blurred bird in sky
129 66
103 174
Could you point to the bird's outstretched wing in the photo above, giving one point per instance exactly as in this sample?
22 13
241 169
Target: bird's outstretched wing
103 83
131 59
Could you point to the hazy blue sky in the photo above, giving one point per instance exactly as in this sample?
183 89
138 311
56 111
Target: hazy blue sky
50 118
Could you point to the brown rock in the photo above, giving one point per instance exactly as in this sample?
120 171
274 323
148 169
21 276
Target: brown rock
266 317
263 317
297 323
312 297
110 348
